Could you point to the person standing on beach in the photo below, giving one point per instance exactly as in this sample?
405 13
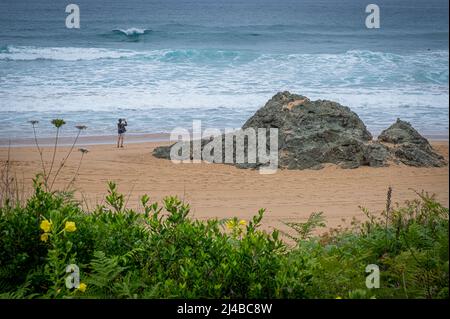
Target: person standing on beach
121 130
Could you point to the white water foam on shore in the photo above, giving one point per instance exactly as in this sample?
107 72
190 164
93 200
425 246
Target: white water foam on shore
214 84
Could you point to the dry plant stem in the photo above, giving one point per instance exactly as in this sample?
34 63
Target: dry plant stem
16 188
388 204
65 159
11 192
53 158
8 186
5 187
76 172
85 200
129 194
388 209
22 199
40 153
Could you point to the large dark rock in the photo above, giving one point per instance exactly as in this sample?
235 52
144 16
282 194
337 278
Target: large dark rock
314 133
409 147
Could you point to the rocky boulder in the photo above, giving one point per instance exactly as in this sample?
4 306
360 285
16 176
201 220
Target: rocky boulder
409 147
314 133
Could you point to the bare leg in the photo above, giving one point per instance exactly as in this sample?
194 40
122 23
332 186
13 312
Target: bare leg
118 140
121 141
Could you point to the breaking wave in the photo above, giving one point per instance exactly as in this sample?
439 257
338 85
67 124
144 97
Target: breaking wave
131 32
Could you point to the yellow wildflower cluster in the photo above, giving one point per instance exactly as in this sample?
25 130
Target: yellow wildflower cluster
231 224
44 237
46 226
70 227
82 287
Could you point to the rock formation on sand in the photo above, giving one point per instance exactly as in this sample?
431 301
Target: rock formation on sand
314 133
409 147
311 133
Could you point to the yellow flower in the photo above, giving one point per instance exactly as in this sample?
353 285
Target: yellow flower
44 237
230 224
70 227
82 287
242 222
46 225
338 297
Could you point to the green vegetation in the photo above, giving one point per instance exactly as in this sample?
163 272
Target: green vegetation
159 252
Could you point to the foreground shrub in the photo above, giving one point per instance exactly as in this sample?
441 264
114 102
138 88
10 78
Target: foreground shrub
159 252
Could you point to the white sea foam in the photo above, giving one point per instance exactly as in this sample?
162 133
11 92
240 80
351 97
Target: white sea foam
28 53
352 66
132 31
378 86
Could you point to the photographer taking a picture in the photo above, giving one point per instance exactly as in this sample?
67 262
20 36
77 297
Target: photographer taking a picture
121 131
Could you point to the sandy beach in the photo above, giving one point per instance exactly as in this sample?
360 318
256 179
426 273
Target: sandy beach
223 191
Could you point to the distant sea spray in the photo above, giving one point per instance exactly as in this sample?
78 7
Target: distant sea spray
130 34
131 31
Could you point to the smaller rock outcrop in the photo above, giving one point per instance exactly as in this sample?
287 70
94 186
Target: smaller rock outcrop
409 147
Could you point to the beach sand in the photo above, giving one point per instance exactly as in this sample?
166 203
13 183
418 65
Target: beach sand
223 191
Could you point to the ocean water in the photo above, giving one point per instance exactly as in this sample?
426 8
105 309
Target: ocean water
161 64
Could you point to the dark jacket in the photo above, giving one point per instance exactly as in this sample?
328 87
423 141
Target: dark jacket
121 127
